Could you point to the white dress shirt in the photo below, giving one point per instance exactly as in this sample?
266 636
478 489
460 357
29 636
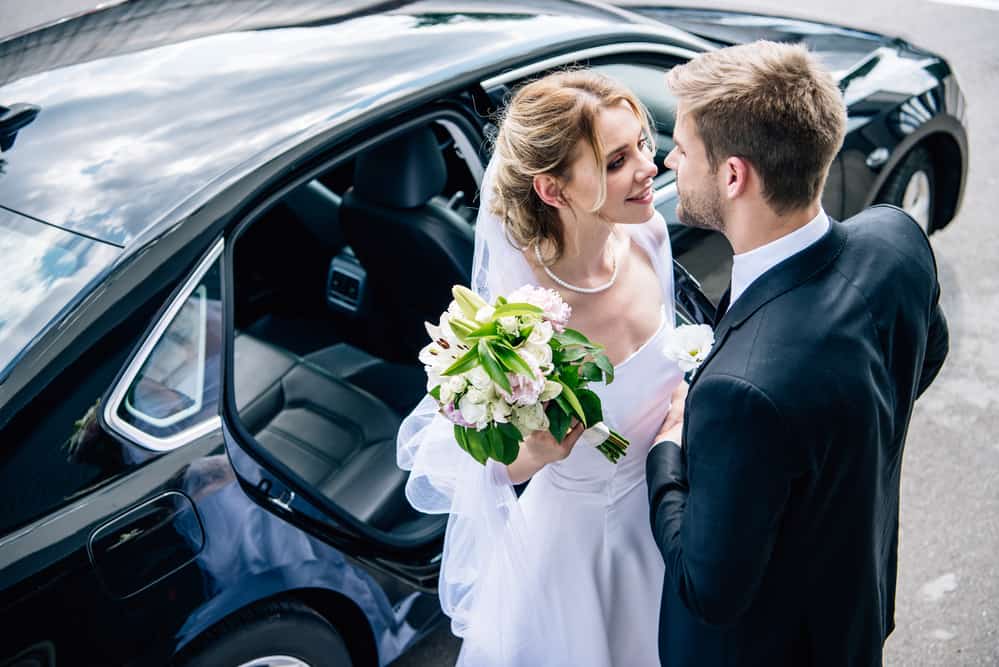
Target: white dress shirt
749 266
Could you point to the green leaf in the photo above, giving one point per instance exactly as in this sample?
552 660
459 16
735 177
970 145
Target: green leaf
510 431
466 362
461 436
477 445
487 329
436 393
570 397
569 375
604 364
501 448
591 406
574 353
511 360
590 372
491 364
558 421
571 336
511 309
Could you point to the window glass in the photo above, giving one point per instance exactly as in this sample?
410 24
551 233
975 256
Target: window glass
178 384
44 269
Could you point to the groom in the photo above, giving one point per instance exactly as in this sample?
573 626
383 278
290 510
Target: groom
775 500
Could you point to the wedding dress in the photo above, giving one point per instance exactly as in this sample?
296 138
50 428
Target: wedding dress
568 573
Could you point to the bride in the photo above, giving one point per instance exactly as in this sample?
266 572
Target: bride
568 573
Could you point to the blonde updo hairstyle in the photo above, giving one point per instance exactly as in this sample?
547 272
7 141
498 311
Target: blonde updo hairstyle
538 134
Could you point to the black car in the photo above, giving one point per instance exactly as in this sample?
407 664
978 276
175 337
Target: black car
222 225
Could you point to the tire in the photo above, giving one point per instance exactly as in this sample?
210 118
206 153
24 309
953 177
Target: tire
912 187
290 634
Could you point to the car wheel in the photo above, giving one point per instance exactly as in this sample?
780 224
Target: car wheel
911 187
277 634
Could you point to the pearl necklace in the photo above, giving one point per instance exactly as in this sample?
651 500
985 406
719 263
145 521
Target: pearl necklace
575 288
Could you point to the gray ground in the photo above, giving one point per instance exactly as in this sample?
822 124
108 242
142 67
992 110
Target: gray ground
948 592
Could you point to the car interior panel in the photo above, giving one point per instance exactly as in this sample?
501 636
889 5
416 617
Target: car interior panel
413 248
324 383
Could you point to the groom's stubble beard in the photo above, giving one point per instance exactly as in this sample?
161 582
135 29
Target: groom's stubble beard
702 210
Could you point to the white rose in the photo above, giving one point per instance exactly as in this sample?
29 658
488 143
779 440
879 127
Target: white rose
500 411
530 418
541 334
509 325
447 394
472 411
478 378
478 395
457 383
542 356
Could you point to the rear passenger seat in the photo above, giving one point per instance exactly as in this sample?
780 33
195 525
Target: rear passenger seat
336 436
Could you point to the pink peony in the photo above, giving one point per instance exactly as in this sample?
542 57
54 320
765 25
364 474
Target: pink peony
524 390
555 309
454 415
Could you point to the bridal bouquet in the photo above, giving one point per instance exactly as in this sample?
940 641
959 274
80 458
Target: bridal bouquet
501 371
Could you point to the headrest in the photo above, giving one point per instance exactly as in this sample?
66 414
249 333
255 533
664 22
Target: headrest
404 172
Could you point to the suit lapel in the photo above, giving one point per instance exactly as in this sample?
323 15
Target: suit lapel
783 277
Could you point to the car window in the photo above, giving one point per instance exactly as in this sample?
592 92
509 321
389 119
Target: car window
177 385
45 269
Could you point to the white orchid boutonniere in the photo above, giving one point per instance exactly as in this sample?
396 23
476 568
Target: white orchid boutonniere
689 345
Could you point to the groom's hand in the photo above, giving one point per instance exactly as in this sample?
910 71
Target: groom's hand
672 428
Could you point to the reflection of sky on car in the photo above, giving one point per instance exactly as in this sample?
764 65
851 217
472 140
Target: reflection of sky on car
120 141
42 269
885 76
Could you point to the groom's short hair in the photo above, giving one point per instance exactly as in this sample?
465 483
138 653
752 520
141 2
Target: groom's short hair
771 104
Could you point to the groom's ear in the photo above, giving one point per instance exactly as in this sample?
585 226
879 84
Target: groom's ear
738 174
550 190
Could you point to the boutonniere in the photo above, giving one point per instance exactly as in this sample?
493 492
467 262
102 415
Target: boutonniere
689 345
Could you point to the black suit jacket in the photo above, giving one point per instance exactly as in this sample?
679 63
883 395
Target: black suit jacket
778 519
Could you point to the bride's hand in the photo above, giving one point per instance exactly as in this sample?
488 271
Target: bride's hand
672 428
539 449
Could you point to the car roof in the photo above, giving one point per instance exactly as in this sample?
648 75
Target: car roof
142 108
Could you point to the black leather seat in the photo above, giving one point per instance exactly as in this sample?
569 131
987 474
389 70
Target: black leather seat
413 248
335 436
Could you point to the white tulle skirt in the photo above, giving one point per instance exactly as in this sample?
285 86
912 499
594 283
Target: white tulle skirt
589 594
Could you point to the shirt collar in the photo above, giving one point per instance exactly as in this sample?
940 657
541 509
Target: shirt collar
749 266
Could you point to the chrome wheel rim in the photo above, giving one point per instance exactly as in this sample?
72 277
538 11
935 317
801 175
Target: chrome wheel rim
916 200
276 661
